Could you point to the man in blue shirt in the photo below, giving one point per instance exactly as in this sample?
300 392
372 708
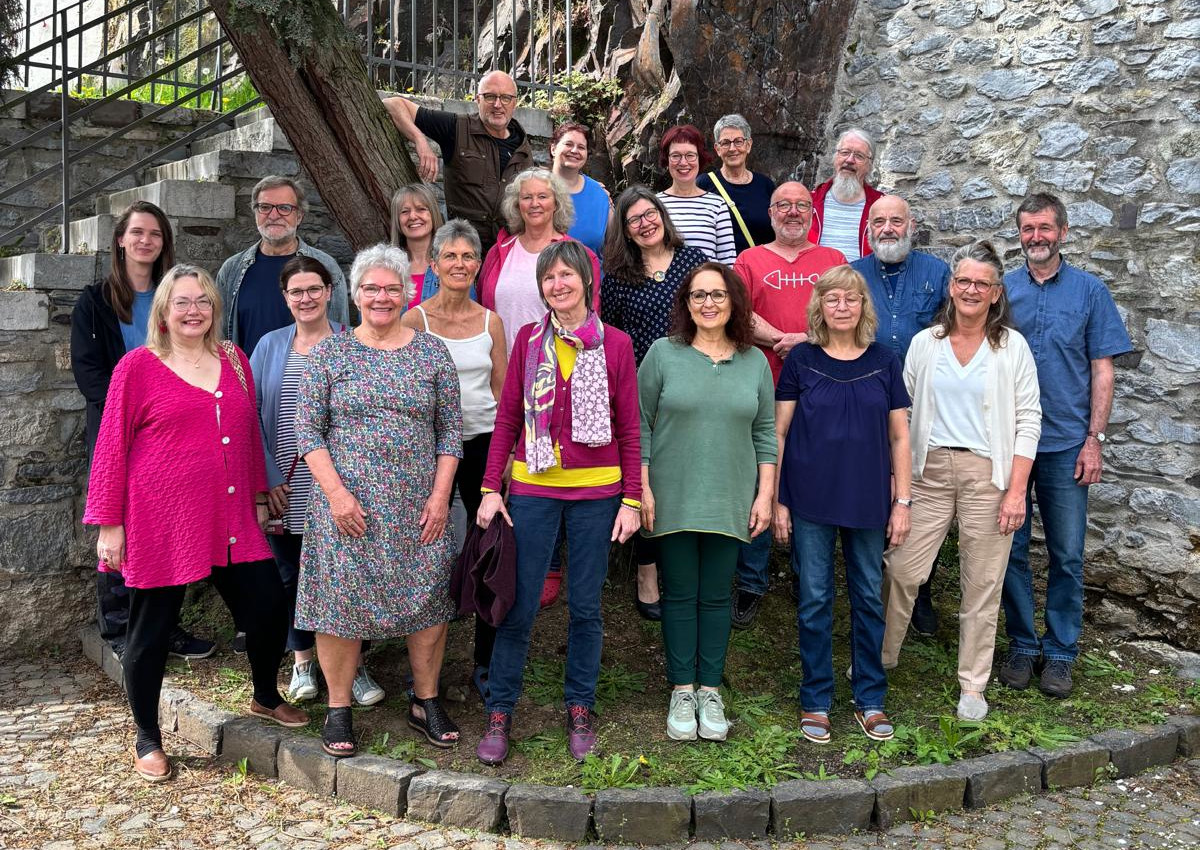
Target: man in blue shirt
1072 326
907 289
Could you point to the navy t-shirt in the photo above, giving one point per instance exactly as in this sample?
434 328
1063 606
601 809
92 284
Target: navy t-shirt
753 200
261 306
837 460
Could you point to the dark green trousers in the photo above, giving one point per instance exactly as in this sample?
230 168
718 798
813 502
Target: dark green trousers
697 577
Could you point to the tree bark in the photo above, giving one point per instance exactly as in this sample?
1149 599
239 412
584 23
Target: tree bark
330 113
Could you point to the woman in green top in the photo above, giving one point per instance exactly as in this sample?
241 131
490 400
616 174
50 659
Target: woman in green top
708 420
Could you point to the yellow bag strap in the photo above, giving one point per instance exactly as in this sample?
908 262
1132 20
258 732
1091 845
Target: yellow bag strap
737 216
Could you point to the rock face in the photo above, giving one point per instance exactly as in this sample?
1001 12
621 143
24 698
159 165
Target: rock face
1094 100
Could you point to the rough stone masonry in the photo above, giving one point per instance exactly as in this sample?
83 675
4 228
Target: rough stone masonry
977 103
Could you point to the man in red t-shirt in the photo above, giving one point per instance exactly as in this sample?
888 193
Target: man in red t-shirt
781 275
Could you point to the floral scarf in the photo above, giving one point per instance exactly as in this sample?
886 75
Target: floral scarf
590 409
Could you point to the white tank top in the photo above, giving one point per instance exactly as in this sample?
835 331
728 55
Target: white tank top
473 359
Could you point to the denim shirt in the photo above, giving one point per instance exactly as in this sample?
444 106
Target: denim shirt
233 272
905 303
1068 321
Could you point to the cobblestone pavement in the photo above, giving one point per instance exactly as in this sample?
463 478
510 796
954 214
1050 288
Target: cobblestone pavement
66 784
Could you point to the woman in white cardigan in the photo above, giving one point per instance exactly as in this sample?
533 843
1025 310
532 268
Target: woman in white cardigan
976 420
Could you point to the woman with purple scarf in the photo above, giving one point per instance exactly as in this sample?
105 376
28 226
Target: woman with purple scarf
569 408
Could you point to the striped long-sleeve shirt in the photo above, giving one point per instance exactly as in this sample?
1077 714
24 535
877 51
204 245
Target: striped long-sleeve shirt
704 223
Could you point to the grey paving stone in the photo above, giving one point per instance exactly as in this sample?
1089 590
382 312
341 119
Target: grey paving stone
200 722
251 739
734 814
169 700
1134 750
539 811
837 806
374 781
999 776
642 816
89 636
303 764
459 799
111 665
932 788
1189 733
1072 766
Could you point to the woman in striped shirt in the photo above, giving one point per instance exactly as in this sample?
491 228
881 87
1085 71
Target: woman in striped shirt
701 218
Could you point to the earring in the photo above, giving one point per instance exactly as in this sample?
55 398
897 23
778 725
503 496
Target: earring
162 327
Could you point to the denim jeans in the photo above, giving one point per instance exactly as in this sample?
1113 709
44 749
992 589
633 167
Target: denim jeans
1062 505
752 571
589 524
812 559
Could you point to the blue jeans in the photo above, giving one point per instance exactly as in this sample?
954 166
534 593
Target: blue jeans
1062 505
536 519
752 570
812 559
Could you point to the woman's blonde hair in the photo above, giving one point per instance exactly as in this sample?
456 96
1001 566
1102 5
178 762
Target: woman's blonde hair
564 207
847 279
158 337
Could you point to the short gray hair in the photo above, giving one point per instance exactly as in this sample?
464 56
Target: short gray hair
564 208
381 256
861 134
734 120
276 181
455 228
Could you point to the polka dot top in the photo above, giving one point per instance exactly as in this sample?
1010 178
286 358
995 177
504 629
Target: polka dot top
643 308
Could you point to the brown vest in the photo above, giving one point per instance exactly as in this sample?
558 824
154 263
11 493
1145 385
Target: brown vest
473 189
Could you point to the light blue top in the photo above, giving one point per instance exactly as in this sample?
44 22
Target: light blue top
134 333
591 215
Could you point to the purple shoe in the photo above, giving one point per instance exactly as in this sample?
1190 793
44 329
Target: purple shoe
581 737
493 746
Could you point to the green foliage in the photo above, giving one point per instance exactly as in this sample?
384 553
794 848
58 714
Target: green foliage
9 24
760 760
407 750
544 681
588 100
91 88
616 684
291 20
820 774
616 771
1098 667
546 744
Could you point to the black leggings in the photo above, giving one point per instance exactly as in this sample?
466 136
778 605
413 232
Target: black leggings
254 595
468 479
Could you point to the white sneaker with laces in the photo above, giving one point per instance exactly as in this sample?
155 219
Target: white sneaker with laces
713 725
366 690
304 682
681 716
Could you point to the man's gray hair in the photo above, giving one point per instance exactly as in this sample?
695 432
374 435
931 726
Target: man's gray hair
732 120
381 256
564 208
862 135
275 181
455 228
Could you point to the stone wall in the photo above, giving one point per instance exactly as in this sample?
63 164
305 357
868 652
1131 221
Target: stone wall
977 103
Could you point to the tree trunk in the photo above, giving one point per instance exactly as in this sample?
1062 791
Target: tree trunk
329 111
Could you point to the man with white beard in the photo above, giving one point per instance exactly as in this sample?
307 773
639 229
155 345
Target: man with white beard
841 204
907 289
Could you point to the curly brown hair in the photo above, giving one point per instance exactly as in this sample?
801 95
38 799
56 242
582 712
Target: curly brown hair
683 326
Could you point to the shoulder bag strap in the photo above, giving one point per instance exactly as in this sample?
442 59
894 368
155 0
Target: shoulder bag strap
231 353
737 216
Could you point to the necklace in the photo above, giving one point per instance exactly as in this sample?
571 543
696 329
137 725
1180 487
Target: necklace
659 275
195 364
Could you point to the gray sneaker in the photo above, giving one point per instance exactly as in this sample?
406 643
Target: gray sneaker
681 716
304 682
366 690
1056 679
713 725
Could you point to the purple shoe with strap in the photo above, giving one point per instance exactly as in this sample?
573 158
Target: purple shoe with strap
493 746
581 735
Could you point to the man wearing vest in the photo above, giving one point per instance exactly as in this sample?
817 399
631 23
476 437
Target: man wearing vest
482 152
841 204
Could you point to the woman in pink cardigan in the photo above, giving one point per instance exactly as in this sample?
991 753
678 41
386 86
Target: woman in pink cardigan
178 487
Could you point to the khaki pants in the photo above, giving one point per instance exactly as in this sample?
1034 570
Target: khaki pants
954 483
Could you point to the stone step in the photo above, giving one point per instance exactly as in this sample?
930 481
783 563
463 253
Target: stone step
91 235
254 115
215 165
46 272
263 136
178 199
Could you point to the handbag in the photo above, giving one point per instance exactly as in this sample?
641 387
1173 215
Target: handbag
275 524
231 354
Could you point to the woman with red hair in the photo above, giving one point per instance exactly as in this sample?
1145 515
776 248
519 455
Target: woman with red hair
701 218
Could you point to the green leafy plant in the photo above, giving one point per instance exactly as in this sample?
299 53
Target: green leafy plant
616 684
922 816
406 750
544 681
545 744
820 774
759 760
616 771
1098 667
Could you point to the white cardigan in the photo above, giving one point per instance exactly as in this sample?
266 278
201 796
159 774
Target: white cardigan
1012 406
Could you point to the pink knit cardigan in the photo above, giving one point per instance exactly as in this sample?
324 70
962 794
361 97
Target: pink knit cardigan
179 467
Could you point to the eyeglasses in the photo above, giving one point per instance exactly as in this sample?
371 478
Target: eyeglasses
699 296
850 153
370 290
649 216
491 98
282 209
895 221
683 157
739 142
448 257
297 295
182 305
964 283
786 207
851 300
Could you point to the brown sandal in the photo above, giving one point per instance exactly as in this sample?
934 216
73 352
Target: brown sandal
871 720
814 726
153 767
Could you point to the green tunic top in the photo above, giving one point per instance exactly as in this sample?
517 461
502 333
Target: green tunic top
705 429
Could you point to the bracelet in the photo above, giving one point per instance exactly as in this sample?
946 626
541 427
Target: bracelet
632 508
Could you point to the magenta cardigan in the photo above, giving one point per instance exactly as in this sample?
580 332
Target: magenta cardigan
625 449
179 467
489 274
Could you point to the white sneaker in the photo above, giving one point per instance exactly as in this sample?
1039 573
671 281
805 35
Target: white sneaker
971 707
366 690
713 725
681 716
304 683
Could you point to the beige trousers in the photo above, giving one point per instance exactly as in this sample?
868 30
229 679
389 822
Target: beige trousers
954 484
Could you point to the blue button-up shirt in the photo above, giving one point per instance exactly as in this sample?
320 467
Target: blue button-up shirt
906 296
1068 321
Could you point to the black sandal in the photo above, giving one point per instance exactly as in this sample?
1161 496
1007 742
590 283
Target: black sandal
436 725
337 736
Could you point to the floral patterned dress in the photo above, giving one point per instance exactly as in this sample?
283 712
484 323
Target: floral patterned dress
384 416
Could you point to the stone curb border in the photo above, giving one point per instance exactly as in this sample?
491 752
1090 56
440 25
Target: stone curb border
655 815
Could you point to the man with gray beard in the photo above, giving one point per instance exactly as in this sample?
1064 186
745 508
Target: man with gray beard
841 204
907 289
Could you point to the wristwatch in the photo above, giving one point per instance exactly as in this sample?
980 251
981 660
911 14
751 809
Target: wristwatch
904 502
1099 435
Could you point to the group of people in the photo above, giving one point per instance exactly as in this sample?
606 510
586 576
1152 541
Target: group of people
699 371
